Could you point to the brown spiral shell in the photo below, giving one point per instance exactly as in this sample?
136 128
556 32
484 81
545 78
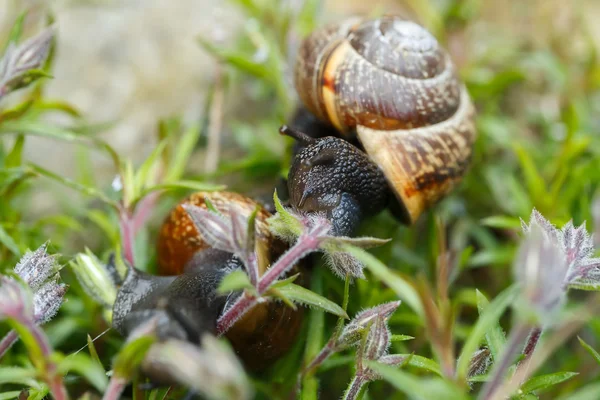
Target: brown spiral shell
389 81
269 329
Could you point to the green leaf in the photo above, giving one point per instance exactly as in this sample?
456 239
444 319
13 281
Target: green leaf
423 363
40 393
131 356
85 366
405 291
494 336
142 178
590 350
10 395
545 381
239 60
283 223
18 375
285 281
14 158
582 285
418 388
301 295
400 338
44 130
17 111
87 190
502 222
27 78
234 281
487 320
588 392
92 350
9 242
534 181
192 185
17 30
183 151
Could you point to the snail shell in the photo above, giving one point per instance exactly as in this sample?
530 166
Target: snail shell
269 329
389 81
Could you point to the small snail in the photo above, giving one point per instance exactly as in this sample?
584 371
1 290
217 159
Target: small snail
389 83
184 296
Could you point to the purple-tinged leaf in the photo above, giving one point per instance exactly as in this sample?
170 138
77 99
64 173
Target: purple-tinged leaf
213 228
394 359
480 362
378 340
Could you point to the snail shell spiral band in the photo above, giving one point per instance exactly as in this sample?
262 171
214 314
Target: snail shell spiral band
391 82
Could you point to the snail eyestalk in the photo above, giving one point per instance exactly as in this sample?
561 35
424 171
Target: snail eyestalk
296 134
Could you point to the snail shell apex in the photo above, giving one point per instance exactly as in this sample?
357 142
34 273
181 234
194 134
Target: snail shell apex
390 81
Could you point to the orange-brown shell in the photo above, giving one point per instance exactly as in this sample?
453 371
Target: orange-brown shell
179 240
269 329
390 81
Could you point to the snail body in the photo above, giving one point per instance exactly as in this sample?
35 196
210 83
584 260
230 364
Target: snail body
390 84
190 271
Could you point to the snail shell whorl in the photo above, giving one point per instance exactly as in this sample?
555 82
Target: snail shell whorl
390 80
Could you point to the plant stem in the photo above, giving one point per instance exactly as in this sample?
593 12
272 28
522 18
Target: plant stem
7 342
355 387
511 349
127 240
244 303
115 388
530 346
143 211
323 355
51 375
305 245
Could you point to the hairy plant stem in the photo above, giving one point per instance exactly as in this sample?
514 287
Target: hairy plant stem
355 387
517 336
530 345
7 342
241 306
323 355
306 244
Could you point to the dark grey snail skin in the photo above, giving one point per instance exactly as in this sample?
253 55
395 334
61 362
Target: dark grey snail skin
331 175
185 306
388 83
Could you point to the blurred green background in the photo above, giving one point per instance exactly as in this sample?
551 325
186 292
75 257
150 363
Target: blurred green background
133 72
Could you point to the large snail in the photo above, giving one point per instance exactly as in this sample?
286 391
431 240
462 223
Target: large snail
389 83
185 296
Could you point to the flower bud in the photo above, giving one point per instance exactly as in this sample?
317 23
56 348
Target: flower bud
47 300
94 278
351 334
211 369
378 340
36 267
